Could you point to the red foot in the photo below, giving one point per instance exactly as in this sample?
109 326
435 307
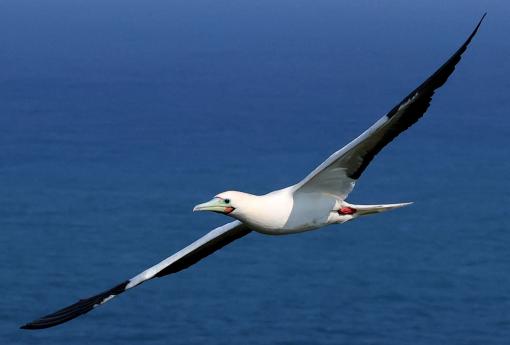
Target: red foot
346 210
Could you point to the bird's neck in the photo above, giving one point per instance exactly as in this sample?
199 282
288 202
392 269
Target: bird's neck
266 213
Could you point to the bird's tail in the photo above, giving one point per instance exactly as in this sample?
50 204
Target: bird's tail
362 210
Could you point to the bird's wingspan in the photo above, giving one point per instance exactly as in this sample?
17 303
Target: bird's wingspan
337 174
204 246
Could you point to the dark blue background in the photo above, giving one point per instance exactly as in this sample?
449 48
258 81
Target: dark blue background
117 117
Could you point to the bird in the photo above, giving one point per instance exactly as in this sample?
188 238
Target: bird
315 202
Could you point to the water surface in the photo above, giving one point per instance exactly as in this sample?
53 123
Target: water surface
117 117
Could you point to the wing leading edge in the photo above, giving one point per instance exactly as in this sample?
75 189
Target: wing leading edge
338 173
201 248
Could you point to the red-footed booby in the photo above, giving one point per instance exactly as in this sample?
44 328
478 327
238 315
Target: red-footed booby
316 201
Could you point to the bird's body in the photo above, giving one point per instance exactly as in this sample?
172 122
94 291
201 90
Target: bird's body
287 211
283 211
316 201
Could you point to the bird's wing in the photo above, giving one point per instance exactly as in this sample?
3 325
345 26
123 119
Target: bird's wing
204 246
337 174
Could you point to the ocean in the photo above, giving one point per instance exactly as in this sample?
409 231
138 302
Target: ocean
117 117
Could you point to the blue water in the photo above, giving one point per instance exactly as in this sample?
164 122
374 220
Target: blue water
116 117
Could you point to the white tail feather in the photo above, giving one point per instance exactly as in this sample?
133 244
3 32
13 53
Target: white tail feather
369 209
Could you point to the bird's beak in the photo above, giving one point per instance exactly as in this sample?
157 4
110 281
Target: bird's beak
215 205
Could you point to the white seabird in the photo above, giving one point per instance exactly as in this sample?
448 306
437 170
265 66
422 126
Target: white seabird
318 200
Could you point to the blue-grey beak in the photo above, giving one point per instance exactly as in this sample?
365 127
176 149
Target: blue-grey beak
215 205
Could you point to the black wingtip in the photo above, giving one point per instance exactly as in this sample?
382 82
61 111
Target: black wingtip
474 31
73 311
480 23
29 326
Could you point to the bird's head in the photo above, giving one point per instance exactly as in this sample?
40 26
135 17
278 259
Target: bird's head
230 203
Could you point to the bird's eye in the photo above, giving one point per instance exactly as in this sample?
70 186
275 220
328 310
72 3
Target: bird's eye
227 201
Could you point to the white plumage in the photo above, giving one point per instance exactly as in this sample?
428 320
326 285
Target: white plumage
316 201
